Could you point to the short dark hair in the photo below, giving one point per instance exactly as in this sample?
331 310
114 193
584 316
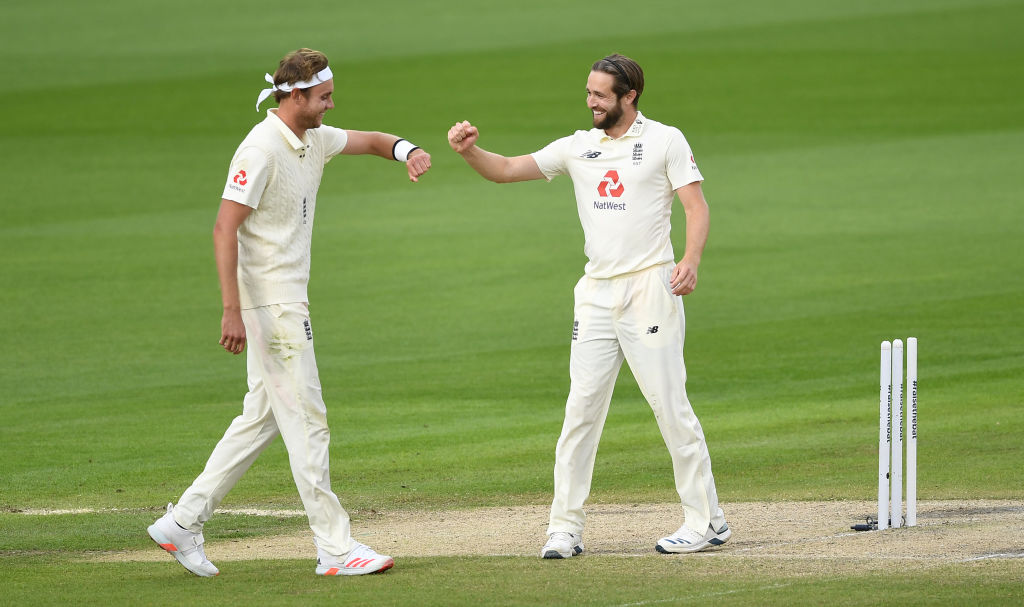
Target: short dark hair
298 66
626 72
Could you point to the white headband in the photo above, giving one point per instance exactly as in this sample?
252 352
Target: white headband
318 78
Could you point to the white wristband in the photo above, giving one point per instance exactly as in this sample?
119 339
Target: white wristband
402 149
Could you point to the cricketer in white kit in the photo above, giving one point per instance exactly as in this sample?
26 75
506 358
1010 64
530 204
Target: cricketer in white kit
262 244
626 173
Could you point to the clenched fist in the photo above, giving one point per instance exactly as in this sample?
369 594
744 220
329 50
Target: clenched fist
462 136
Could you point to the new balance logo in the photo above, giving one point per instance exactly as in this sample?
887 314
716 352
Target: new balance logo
308 328
575 330
653 329
590 154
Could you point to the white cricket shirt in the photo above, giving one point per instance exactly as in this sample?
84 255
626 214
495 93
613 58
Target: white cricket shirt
624 191
278 175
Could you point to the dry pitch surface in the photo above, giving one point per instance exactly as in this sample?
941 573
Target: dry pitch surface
791 537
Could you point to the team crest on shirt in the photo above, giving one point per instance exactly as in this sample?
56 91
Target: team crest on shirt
638 153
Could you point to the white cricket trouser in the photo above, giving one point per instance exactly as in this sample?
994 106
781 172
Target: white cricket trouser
284 398
635 316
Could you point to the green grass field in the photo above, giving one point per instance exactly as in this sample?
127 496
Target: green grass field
861 163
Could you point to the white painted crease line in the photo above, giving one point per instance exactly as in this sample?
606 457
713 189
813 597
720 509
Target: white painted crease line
245 511
1001 555
705 595
821 538
51 512
803 540
261 512
844 557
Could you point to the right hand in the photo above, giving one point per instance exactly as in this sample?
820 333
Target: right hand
462 136
232 332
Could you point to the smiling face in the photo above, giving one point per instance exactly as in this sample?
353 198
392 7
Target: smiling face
608 110
312 104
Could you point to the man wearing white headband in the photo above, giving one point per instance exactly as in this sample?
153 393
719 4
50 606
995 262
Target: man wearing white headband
262 246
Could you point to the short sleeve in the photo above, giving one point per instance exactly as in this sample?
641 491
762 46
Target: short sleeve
247 177
680 166
551 159
333 139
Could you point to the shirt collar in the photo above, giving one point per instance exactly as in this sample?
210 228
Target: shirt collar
634 129
286 132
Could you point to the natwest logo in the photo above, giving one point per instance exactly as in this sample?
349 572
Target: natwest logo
610 185
240 178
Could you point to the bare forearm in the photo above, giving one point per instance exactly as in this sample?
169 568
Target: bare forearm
374 143
697 226
225 251
494 167
383 144
491 166
697 221
225 248
684 275
391 147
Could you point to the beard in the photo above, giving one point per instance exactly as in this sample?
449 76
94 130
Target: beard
611 118
311 121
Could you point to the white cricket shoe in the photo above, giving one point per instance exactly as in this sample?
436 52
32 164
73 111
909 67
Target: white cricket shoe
184 545
562 545
359 561
688 540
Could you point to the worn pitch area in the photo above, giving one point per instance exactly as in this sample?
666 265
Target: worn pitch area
809 536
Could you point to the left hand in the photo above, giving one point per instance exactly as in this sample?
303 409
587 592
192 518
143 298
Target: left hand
684 278
418 164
